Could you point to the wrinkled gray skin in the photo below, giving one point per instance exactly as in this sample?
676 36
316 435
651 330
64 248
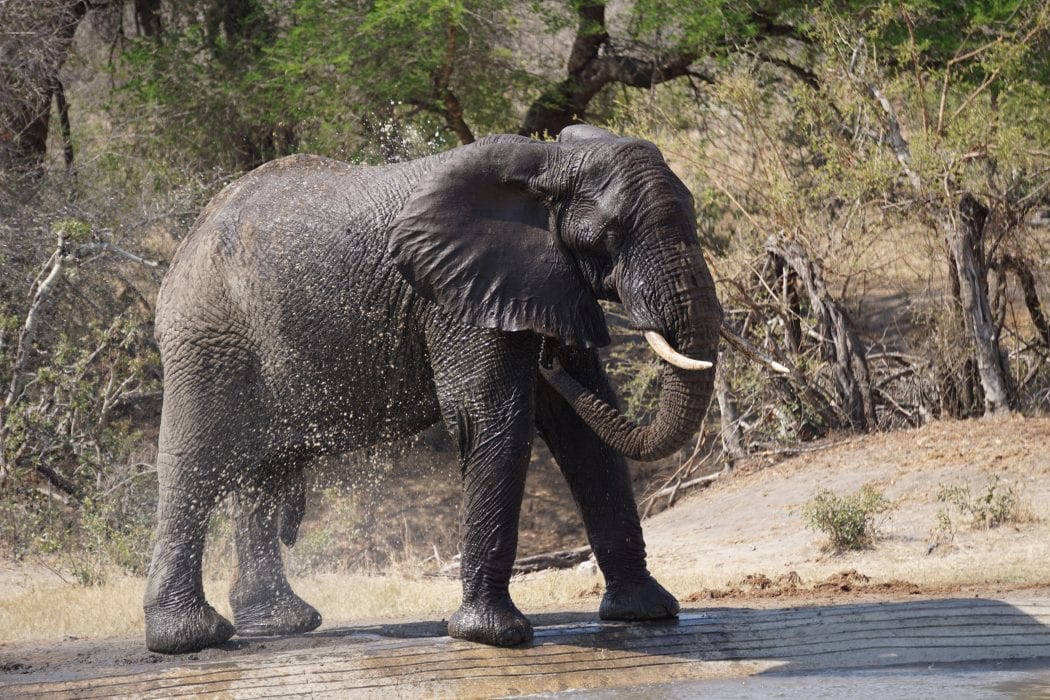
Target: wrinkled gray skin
317 307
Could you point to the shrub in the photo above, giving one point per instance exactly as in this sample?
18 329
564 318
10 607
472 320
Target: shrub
999 504
848 521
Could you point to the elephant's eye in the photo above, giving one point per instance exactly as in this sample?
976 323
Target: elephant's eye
612 238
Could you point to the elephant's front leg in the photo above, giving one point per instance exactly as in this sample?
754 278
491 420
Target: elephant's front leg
487 399
494 482
601 485
262 600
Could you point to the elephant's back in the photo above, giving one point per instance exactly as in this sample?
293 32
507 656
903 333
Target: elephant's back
281 195
277 223
286 275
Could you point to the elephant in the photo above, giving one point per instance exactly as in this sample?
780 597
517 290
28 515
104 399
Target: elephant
317 307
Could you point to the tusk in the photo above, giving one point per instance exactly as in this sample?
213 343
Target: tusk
662 348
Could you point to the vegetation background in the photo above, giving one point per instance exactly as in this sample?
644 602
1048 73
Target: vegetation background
872 181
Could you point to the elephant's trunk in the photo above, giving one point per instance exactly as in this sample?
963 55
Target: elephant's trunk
684 393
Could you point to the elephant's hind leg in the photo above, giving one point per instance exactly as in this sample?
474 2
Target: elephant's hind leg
210 426
262 600
178 618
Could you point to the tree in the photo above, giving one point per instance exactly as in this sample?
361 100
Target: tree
35 36
899 119
339 77
987 61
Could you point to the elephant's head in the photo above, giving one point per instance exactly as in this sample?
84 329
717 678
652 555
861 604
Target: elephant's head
518 234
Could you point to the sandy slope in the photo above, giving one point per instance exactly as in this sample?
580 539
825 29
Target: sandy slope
750 522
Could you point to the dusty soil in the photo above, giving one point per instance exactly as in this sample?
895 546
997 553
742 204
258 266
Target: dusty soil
749 523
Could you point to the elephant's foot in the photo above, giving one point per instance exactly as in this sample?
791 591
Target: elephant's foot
499 625
269 615
643 600
174 630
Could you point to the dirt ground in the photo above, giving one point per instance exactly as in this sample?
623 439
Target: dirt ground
750 524
749 521
740 541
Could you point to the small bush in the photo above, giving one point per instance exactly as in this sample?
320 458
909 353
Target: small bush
999 504
848 521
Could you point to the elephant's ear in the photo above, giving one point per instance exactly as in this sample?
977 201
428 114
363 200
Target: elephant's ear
476 236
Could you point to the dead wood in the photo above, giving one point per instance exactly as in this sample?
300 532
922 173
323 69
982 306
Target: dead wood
1023 270
842 347
732 443
560 559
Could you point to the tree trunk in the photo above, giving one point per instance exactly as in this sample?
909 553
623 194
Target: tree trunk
732 444
842 346
37 39
64 124
148 17
965 243
451 107
593 64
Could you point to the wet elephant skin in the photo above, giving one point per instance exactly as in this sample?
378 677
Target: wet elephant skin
317 307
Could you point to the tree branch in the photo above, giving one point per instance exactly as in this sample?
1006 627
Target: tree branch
566 103
453 108
25 338
55 267
893 127
919 83
804 74
58 481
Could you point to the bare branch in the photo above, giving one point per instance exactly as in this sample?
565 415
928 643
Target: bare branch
751 351
893 127
915 63
58 481
104 247
58 262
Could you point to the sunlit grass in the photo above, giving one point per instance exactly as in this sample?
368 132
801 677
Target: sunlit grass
56 611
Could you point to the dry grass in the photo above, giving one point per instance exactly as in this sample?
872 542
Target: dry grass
57 612
53 611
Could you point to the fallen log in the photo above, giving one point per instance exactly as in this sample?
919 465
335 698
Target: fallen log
561 559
